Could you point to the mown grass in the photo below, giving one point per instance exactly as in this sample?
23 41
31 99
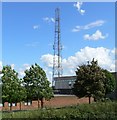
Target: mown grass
100 110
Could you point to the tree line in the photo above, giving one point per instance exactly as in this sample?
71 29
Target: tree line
34 85
92 81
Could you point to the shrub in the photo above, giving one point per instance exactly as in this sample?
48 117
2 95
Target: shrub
100 110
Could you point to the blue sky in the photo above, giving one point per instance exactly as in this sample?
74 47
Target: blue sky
87 30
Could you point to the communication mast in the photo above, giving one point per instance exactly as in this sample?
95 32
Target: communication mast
57 47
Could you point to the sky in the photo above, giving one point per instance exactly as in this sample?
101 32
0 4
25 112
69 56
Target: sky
87 32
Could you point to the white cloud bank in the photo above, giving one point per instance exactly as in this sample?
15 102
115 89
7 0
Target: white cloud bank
104 56
78 5
89 26
96 36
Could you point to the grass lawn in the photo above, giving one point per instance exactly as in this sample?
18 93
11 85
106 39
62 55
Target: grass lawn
99 110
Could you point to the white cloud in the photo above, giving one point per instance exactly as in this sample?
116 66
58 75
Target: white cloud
48 72
47 60
22 69
103 55
78 6
48 20
0 65
21 73
96 36
12 66
89 26
26 66
53 20
115 50
36 27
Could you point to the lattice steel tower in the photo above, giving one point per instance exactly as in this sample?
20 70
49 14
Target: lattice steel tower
57 47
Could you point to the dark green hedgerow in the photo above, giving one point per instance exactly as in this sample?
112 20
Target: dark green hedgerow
101 110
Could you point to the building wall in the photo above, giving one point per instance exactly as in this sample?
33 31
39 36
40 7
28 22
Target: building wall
57 101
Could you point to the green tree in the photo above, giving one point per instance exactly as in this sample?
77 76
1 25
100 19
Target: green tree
21 92
37 85
90 81
10 86
109 82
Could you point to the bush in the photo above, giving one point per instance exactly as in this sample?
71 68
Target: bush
100 110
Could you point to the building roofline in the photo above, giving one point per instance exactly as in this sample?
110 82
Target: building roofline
64 77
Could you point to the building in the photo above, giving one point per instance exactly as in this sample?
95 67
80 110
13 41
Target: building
64 85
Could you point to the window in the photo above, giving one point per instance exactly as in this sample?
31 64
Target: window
29 103
9 104
25 103
14 104
1 105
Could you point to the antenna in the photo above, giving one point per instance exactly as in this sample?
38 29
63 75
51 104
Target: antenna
57 47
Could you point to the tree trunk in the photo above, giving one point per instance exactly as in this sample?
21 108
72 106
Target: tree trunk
89 99
38 103
10 107
94 99
42 103
20 105
27 101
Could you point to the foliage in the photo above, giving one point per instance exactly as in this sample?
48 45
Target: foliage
109 82
90 81
36 84
93 111
11 86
